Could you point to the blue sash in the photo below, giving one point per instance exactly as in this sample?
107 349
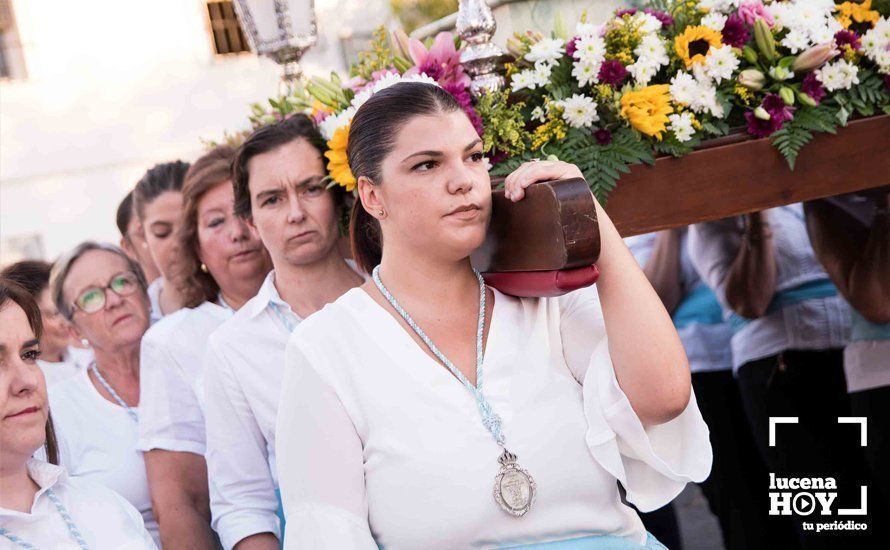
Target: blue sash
820 288
280 514
594 542
699 306
863 329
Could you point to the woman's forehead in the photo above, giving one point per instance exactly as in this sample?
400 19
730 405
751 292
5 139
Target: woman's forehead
439 131
94 267
16 328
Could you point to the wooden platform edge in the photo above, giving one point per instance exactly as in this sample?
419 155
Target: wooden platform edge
750 175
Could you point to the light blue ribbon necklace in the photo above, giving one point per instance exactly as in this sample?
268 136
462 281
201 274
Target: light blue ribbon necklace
73 532
113 393
514 487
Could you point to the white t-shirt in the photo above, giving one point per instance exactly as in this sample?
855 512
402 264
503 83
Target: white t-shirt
102 517
154 299
378 444
171 379
74 361
97 441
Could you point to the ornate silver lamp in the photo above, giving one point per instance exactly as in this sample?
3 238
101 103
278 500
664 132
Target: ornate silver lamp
482 59
279 29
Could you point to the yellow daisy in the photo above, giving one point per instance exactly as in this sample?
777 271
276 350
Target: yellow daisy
694 45
856 12
647 109
338 163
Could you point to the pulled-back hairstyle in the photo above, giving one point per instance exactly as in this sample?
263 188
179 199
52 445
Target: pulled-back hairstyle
266 139
32 275
124 215
159 179
372 136
197 286
12 291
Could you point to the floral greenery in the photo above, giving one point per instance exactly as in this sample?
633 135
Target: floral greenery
657 79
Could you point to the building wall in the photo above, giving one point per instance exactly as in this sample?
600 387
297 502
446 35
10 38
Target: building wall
112 88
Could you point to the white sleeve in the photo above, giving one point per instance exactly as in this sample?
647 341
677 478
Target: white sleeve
138 524
170 416
320 462
713 247
242 491
641 246
652 463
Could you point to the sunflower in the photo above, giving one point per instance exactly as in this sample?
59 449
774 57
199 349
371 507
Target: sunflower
647 109
694 45
855 12
338 163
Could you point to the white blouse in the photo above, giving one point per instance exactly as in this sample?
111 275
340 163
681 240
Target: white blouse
97 441
242 381
102 517
378 444
171 396
74 361
154 299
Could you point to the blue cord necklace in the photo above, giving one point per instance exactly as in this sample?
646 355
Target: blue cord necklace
73 532
514 487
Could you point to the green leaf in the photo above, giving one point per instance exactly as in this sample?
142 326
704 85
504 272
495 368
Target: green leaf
799 131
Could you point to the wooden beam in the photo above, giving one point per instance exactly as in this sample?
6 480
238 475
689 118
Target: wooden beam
735 175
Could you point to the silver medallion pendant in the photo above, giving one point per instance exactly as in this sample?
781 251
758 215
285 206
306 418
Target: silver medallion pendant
514 487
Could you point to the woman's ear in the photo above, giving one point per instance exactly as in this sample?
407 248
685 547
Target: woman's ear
372 199
73 333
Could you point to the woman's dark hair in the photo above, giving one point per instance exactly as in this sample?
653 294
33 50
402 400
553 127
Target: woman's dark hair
372 136
124 215
266 139
32 275
158 180
212 169
10 290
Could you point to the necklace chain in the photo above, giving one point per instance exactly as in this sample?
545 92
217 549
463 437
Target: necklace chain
73 531
113 393
490 419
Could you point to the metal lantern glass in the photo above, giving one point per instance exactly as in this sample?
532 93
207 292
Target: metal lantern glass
279 29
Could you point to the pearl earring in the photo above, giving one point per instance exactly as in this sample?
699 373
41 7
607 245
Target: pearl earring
85 342
381 213
204 268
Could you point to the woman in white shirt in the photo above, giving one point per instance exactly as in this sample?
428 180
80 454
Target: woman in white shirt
157 202
40 506
280 190
101 291
58 360
379 444
221 264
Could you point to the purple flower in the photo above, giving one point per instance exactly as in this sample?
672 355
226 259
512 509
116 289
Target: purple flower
665 18
462 95
735 32
441 62
603 136
629 11
812 87
761 128
777 109
612 72
572 46
847 38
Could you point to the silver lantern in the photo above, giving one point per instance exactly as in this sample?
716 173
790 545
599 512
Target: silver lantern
279 29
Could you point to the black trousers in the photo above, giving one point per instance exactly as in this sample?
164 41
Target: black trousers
811 386
735 488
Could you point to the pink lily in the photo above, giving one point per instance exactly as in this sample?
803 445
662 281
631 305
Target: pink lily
441 62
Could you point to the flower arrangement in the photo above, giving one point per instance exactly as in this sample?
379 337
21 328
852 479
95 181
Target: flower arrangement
658 80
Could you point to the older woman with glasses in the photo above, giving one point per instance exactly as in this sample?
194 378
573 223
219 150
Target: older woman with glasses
102 293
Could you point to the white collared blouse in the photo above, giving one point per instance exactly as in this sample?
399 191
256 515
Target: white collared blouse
378 444
103 518
243 366
171 379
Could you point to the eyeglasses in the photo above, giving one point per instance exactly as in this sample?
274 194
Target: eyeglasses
92 299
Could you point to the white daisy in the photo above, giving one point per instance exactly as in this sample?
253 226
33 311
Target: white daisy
721 63
642 72
523 79
683 88
579 111
714 20
539 115
838 75
590 50
548 50
586 73
681 126
652 51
